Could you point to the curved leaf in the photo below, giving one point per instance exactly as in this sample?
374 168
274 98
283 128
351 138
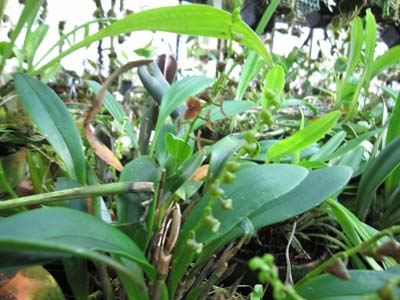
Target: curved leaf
198 20
258 185
389 58
52 117
361 284
67 232
313 190
303 138
375 174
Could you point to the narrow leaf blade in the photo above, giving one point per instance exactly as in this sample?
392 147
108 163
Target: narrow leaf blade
52 117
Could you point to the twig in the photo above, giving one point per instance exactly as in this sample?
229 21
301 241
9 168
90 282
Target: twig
80 192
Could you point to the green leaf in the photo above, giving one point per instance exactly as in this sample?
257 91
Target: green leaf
353 159
26 20
362 284
130 209
352 144
230 108
313 190
73 233
197 20
273 84
250 69
116 110
303 138
184 173
355 49
221 151
375 174
49 113
328 148
370 42
177 94
77 276
33 41
177 147
258 185
392 132
386 60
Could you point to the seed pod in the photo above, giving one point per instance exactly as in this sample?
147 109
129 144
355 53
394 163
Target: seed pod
338 269
212 223
215 190
226 204
388 292
251 148
194 246
389 248
229 177
232 166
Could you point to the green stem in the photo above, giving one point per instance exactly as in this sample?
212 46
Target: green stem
65 36
354 101
80 192
350 252
4 182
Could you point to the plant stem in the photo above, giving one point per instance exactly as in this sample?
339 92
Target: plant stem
347 253
80 192
5 183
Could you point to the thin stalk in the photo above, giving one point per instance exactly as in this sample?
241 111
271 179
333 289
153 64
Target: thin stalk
65 36
5 183
80 192
350 252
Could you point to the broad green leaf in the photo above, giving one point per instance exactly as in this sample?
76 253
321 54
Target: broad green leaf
116 110
269 182
257 186
376 172
303 138
328 148
386 60
362 284
392 132
177 94
72 233
177 147
49 113
230 108
197 20
313 190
